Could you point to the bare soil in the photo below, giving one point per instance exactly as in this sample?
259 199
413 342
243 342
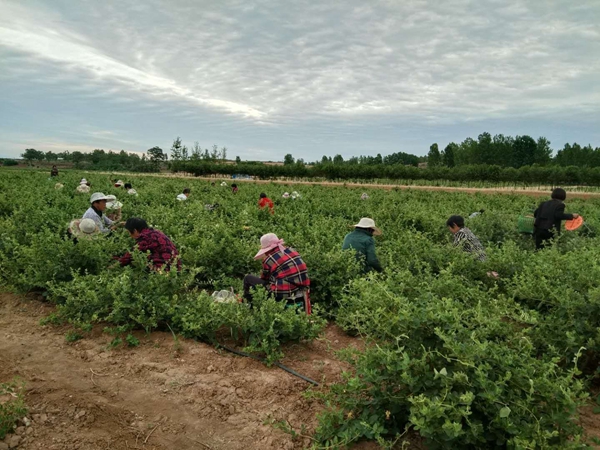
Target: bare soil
161 395
164 394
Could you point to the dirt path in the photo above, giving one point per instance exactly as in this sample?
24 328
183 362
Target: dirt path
162 395
159 395
514 191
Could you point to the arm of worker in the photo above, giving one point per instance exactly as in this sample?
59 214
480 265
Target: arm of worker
372 260
107 221
266 272
559 214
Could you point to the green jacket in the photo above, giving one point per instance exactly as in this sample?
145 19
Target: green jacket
364 245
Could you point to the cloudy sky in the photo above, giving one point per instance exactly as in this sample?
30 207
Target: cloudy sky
265 78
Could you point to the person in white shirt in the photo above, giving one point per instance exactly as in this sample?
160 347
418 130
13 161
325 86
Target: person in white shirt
184 195
96 213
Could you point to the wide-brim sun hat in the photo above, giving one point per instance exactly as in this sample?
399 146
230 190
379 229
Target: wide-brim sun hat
113 203
367 222
269 242
84 228
83 181
97 196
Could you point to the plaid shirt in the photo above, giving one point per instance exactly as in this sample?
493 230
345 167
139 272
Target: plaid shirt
162 250
285 271
465 239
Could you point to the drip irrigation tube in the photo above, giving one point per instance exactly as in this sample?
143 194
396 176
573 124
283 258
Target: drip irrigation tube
278 364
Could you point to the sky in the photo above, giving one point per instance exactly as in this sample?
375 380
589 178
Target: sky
311 78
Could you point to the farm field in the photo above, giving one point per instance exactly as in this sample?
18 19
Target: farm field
445 356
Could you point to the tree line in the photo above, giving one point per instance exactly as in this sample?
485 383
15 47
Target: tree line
508 151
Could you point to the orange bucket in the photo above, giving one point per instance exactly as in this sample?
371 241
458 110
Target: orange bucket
574 224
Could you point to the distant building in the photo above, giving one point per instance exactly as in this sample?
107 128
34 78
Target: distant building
423 165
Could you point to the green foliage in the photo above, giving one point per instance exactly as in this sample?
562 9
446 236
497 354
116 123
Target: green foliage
466 360
9 162
12 405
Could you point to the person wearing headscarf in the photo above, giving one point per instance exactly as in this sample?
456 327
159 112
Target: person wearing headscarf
362 242
84 187
284 273
83 229
54 171
113 208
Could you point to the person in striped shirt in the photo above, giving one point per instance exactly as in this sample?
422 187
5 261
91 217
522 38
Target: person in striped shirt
284 273
464 238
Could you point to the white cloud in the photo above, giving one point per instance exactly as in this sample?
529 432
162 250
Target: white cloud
273 65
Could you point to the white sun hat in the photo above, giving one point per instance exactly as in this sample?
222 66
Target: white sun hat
84 228
367 222
286 195
83 181
112 202
97 196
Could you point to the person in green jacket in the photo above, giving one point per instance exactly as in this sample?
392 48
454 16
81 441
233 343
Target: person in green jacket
362 242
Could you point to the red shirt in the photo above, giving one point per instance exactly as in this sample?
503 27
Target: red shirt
264 202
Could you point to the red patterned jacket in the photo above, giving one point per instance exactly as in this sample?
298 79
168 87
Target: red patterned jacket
162 250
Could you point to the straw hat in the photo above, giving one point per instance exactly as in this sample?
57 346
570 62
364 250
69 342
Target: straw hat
84 228
268 242
367 222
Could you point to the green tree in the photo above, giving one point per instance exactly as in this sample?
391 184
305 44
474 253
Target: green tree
543 152
238 160
524 151
51 156
156 155
31 154
338 159
176 150
448 154
288 159
433 157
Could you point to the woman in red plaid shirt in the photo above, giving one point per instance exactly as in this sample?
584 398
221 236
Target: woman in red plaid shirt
284 273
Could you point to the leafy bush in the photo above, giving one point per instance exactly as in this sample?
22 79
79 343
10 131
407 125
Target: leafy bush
12 405
460 371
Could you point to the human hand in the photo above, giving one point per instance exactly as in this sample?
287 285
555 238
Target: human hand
575 216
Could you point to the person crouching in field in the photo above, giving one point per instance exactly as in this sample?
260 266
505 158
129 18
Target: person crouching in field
265 202
548 218
184 195
130 190
54 171
163 253
83 229
362 242
284 273
464 238
96 213
113 208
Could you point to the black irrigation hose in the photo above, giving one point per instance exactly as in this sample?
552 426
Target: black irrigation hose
278 364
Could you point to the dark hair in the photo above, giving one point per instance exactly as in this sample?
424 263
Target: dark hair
234 185
135 224
263 195
53 166
459 221
128 186
187 190
559 194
